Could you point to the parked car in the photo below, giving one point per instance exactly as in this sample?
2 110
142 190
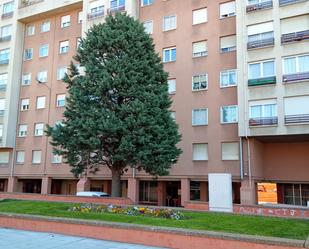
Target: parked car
92 194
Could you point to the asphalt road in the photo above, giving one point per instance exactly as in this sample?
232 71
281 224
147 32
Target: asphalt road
17 239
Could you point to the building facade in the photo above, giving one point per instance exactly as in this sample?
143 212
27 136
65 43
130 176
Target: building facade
234 117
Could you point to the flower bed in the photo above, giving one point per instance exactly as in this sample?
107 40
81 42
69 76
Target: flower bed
132 211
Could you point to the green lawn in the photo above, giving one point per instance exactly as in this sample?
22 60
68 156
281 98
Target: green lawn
254 225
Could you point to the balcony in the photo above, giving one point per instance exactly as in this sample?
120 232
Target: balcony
263 121
115 9
5 38
7 15
262 81
286 2
26 3
295 77
296 36
4 62
95 15
261 43
296 119
259 6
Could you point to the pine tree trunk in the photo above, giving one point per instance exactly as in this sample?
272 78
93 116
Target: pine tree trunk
116 183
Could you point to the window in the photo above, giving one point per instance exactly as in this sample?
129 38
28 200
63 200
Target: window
96 9
171 86
297 108
30 30
263 109
56 158
173 115
42 77
296 64
228 78
28 54
169 23
64 47
4 56
8 8
199 117
199 16
230 151
148 25
65 21
199 49
146 2
195 191
117 5
36 156
24 106
227 9
4 157
294 24
80 17
61 73
229 114
22 131
3 79
38 129
169 54
78 41
1 130
2 107
26 79
228 43
200 82
40 102
200 152
260 34
60 100
261 69
45 26
6 32
44 50
20 156
148 192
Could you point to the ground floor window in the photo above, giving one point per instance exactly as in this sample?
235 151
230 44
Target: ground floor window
293 194
148 192
195 191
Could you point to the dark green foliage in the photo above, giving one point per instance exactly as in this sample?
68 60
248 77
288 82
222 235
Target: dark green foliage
117 114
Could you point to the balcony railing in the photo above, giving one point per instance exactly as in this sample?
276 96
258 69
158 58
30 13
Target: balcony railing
296 36
286 2
259 6
295 77
262 81
118 8
295 119
261 43
7 15
4 62
94 15
26 3
263 121
5 38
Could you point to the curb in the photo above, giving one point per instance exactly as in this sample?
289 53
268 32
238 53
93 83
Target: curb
179 231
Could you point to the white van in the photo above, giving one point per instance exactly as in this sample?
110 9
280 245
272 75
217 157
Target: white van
92 194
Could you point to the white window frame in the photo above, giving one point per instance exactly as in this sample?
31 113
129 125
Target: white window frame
170 54
22 130
24 104
26 79
30 30
41 79
148 29
38 129
45 26
65 21
194 12
231 156
169 82
148 2
221 114
167 23
18 156
44 47
205 157
33 157
229 71
194 122
40 104
28 51
199 53
296 61
64 47
222 16
56 159
59 99
261 68
200 82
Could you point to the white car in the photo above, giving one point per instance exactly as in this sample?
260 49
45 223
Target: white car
92 194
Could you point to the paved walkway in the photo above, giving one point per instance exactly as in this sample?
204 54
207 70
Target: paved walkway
17 239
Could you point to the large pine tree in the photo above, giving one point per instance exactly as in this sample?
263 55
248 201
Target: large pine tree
117 113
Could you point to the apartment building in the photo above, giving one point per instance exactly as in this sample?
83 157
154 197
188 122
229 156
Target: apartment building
9 84
247 117
273 97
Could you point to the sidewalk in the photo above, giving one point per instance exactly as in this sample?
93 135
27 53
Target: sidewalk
18 239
